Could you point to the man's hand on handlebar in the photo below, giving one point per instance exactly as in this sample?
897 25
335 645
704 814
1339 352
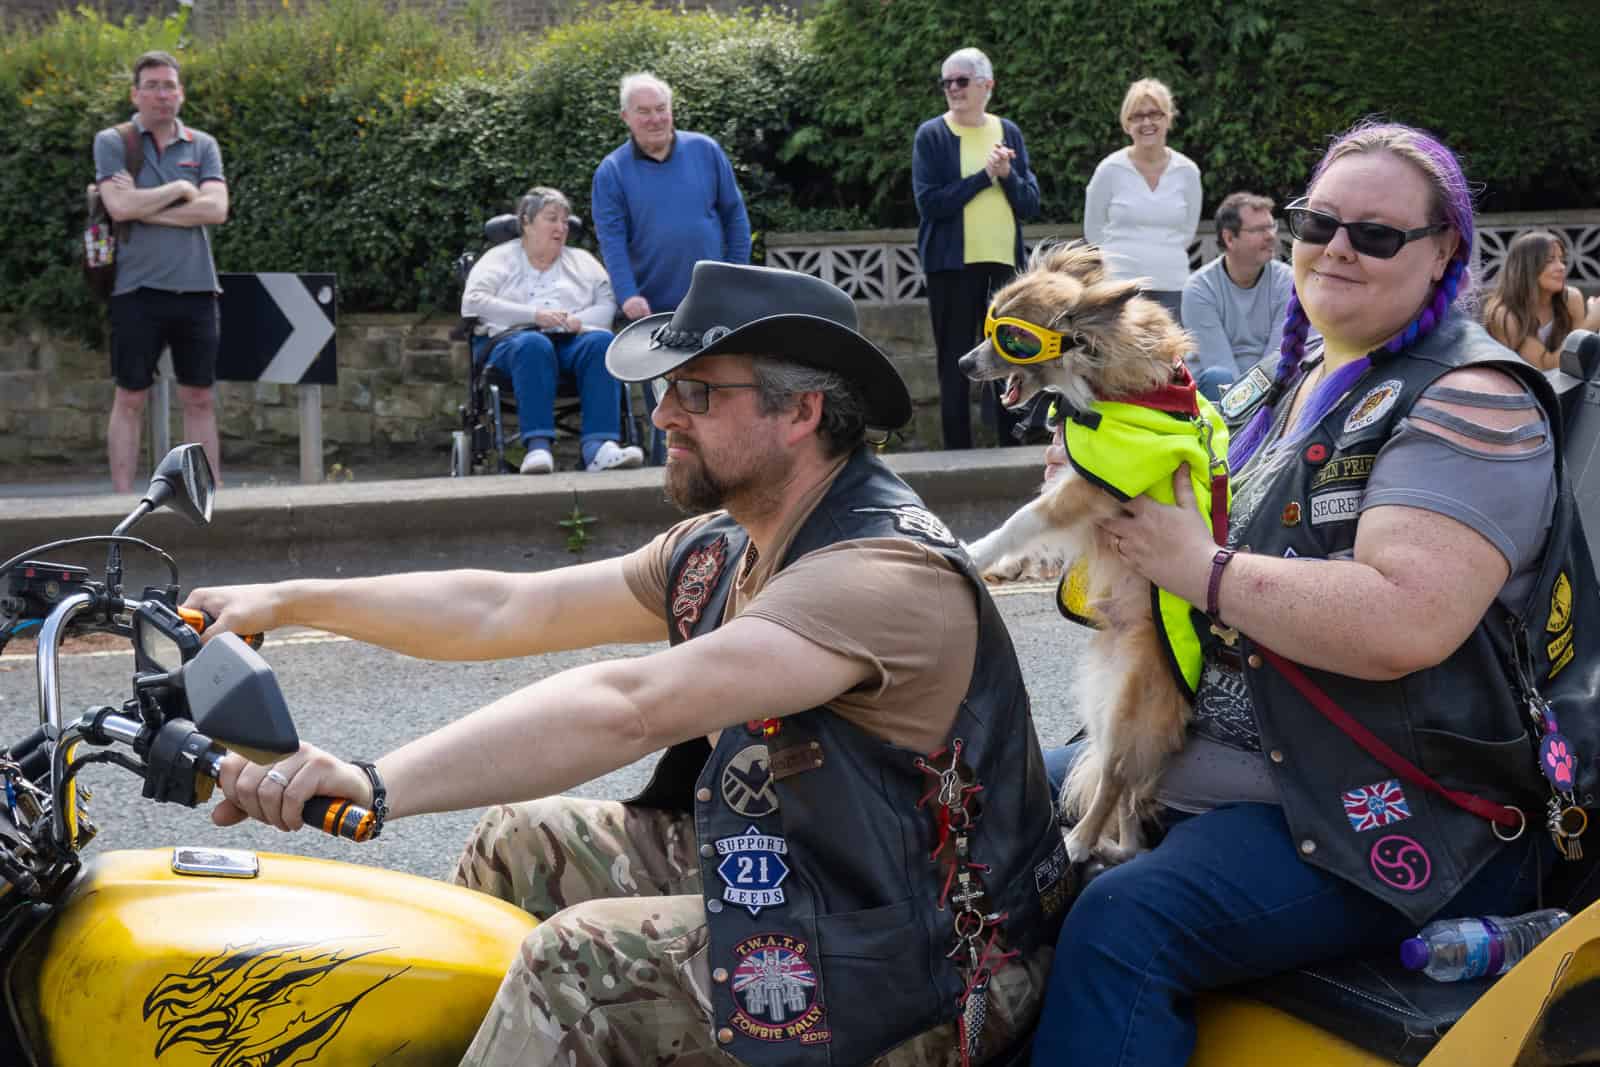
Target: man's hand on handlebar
239 609
277 795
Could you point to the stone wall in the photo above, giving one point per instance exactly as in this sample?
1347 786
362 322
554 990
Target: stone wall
400 381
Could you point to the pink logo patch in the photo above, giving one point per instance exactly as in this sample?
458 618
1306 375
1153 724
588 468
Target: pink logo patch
1400 863
1560 763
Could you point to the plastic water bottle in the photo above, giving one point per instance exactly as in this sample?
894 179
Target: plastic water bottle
1452 950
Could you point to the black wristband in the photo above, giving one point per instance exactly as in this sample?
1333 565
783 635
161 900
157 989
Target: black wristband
380 796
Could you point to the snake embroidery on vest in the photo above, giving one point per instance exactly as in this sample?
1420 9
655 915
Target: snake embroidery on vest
695 583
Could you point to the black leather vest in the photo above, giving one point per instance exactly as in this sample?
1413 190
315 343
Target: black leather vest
1461 721
830 922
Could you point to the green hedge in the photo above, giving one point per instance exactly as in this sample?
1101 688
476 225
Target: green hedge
372 143
1260 85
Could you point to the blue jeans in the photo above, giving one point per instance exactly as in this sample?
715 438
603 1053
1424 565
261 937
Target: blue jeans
1213 381
1224 898
536 362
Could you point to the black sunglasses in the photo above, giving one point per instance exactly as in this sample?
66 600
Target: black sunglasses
960 81
1369 238
694 396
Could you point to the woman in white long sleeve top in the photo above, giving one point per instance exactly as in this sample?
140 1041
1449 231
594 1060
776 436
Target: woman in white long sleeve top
1143 203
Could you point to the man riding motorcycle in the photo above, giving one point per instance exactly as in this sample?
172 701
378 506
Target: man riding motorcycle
848 853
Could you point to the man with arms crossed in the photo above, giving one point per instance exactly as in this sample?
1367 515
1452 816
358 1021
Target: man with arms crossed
166 290
808 878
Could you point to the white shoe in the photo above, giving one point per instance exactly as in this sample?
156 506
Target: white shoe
538 461
612 456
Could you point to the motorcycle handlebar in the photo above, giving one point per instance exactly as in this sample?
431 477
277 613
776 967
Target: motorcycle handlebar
334 816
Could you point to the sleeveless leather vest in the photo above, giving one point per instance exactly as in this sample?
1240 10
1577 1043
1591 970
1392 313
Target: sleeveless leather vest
1461 721
826 855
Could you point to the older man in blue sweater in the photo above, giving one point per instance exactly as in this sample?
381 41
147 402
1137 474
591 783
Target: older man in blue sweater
663 201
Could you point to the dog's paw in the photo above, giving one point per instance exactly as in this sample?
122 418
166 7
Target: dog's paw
991 563
1080 847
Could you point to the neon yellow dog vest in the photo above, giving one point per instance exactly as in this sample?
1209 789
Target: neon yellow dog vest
1132 447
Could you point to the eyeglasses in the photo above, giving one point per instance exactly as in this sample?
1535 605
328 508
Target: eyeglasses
1264 228
694 396
960 81
1020 341
1369 238
1147 116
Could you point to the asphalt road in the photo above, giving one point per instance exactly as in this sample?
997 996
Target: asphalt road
362 701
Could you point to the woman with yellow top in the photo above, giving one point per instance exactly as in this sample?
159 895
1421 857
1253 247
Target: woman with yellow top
970 174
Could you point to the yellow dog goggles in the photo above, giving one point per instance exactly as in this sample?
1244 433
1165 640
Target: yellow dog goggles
1019 341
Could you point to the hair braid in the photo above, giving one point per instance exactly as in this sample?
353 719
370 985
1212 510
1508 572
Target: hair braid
1296 327
1444 294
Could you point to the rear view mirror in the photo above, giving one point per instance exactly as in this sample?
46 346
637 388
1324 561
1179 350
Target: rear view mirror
235 700
183 479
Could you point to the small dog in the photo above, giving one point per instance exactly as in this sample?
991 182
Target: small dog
1113 344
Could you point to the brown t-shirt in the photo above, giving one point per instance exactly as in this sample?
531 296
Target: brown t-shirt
891 603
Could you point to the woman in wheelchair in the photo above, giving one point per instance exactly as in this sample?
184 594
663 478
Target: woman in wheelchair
1394 510
545 310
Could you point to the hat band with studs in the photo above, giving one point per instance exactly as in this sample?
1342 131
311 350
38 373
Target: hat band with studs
664 336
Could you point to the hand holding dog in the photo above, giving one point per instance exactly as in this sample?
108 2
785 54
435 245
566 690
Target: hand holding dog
1170 544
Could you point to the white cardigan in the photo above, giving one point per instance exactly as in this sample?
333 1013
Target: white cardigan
504 289
1144 232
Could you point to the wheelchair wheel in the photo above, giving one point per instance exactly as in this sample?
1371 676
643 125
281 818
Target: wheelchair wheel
460 455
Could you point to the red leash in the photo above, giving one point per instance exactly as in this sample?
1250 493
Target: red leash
1495 813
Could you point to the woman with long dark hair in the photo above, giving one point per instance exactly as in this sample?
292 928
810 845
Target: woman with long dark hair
1532 308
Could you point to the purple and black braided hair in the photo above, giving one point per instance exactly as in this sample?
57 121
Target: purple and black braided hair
1453 200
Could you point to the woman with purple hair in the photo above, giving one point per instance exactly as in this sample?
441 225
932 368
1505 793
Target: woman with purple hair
1392 498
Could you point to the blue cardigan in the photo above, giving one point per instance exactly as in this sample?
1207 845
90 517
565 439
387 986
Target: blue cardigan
942 192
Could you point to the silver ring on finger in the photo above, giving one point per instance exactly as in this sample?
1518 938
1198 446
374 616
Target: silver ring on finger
275 775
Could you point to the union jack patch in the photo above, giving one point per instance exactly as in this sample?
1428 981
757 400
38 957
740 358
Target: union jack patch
1372 806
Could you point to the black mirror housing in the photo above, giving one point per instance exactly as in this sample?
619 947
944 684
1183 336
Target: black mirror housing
235 700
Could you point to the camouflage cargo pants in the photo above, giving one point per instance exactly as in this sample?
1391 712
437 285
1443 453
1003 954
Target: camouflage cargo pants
616 973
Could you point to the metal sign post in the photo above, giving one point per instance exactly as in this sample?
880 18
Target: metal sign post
283 328
160 410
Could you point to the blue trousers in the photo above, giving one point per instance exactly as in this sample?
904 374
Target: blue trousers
1213 382
1222 899
536 362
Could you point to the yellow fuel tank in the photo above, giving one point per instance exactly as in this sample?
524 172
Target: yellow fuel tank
309 961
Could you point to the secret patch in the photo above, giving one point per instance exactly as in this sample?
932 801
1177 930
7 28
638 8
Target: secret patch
1372 407
1244 392
775 991
1376 805
752 869
918 522
1341 506
747 783
695 582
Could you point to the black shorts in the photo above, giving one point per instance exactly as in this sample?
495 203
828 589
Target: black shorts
145 321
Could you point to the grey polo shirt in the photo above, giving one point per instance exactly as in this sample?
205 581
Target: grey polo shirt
175 258
1233 327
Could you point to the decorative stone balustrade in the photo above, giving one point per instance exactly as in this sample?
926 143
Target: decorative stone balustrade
881 267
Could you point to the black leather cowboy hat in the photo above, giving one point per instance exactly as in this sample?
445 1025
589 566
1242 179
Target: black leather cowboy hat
763 311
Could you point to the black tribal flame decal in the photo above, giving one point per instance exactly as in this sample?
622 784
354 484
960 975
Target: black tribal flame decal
220 1004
